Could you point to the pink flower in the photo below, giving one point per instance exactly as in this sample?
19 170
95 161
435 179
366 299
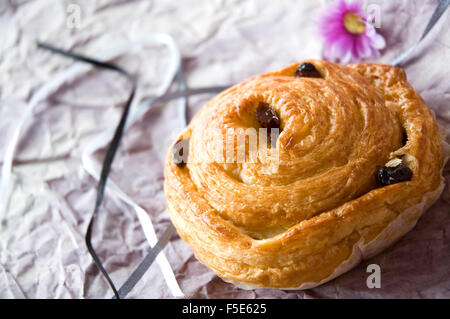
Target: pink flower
348 35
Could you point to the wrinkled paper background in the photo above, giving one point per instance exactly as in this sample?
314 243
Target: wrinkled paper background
42 251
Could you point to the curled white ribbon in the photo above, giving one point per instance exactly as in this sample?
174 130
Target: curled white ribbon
91 166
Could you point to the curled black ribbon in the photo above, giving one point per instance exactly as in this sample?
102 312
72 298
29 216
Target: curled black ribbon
111 152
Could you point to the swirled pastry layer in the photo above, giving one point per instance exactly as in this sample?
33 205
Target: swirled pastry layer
298 210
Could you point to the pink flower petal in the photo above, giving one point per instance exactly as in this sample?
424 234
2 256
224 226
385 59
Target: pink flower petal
363 47
340 44
378 42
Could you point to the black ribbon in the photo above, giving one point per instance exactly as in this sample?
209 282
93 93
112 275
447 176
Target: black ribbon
438 12
111 152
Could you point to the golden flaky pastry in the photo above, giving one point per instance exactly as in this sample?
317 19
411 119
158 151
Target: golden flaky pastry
325 194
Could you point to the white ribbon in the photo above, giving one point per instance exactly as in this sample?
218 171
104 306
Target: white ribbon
91 166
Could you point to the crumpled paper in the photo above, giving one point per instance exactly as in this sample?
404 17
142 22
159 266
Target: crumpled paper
42 250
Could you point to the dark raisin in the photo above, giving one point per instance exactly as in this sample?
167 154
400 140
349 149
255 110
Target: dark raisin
307 70
180 152
268 118
391 175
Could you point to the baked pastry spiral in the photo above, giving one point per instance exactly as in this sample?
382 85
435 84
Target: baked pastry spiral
357 160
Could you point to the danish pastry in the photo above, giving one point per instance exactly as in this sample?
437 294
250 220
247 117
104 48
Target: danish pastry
348 160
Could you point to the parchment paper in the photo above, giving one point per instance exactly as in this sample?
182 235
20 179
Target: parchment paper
42 251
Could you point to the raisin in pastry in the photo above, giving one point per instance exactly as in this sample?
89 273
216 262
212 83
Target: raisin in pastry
296 175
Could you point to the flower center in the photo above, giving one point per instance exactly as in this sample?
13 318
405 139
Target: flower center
353 23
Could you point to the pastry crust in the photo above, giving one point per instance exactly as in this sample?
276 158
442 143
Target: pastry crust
309 208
